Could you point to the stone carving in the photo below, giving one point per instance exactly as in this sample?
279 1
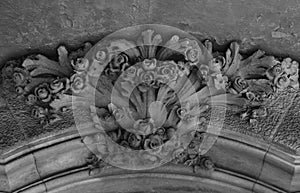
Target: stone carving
95 164
191 156
168 87
39 80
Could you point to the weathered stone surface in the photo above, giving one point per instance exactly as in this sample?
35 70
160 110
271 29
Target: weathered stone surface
253 22
61 157
288 133
22 172
30 25
274 166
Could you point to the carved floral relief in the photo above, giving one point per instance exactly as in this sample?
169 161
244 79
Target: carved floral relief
147 95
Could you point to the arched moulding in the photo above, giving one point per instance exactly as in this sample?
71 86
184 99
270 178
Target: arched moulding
156 82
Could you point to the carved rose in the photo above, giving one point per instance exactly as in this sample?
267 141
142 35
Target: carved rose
81 64
125 145
193 147
220 82
161 132
31 99
275 71
206 163
180 155
182 112
168 69
58 85
260 112
19 78
134 140
286 64
251 96
147 77
129 74
77 82
218 63
101 55
153 143
282 82
192 55
19 90
149 64
39 112
118 61
239 84
42 92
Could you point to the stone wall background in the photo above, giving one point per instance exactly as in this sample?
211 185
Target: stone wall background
28 26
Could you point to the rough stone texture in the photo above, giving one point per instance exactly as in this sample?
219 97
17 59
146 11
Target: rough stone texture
288 133
30 25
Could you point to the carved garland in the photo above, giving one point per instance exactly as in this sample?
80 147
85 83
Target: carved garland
51 86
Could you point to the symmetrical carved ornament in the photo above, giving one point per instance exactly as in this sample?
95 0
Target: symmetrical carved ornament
147 96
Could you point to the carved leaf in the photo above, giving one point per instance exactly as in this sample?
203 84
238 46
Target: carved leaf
41 65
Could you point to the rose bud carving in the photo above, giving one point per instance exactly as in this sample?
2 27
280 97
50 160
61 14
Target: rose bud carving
19 77
192 55
59 85
19 90
117 62
78 82
101 56
217 64
39 112
274 71
239 84
148 77
31 99
282 82
134 140
153 143
81 64
149 64
42 92
168 69
129 74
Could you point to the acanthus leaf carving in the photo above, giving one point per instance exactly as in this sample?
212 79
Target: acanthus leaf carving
196 74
